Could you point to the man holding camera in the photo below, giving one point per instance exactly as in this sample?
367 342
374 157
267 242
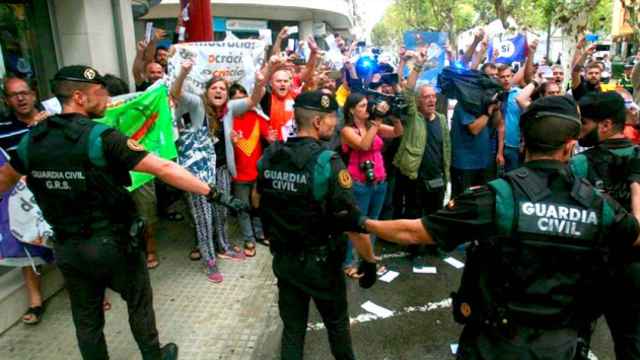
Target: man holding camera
304 194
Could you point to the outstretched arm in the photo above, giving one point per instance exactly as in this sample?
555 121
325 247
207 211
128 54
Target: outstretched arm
403 232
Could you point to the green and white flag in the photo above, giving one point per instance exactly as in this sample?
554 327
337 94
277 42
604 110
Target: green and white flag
146 118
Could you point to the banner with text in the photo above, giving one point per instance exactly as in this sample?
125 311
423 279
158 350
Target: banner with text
435 43
508 51
234 60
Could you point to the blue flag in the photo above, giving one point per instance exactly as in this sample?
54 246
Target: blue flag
435 42
509 50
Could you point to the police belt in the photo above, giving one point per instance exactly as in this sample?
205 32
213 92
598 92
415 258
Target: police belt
318 251
84 231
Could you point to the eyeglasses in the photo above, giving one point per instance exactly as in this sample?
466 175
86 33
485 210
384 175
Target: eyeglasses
21 93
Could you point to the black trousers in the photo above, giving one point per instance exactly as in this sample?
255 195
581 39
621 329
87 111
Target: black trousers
89 266
623 311
293 303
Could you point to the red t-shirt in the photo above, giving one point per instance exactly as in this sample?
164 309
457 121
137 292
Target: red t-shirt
248 149
631 133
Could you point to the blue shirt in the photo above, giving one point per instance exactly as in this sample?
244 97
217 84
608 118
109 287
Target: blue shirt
469 152
511 113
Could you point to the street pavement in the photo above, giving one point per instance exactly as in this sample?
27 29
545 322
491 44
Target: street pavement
238 319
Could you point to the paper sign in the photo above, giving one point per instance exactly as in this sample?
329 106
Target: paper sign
265 34
454 262
454 348
291 44
389 276
148 32
52 106
434 43
377 310
425 269
292 30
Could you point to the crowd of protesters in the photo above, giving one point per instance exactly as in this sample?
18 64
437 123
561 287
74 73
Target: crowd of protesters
401 163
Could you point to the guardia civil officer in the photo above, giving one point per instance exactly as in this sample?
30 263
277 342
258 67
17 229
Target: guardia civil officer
304 193
77 170
609 165
540 239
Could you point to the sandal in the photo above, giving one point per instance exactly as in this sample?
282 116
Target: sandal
195 254
249 249
152 261
106 305
381 270
352 272
33 315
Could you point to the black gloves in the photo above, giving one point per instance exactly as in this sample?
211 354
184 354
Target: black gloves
369 276
233 203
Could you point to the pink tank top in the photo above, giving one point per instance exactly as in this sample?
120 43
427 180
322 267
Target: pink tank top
357 157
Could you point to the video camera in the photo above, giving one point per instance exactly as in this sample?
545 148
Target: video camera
398 105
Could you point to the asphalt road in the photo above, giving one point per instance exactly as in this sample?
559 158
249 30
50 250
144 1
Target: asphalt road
421 327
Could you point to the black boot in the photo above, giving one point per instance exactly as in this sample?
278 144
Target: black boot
169 352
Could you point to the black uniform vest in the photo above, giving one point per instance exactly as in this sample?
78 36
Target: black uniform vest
542 269
76 195
292 216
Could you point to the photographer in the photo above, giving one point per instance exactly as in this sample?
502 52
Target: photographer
362 142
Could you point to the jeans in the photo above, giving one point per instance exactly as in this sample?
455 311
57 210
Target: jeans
511 158
250 226
369 199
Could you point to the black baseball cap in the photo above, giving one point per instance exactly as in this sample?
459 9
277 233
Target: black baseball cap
316 100
79 73
550 121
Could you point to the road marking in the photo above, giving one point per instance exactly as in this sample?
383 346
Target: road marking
366 317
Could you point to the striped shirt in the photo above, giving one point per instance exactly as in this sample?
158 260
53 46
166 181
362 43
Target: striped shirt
11 131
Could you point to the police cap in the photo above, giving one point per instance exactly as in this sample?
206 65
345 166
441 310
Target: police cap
603 105
549 122
79 73
316 101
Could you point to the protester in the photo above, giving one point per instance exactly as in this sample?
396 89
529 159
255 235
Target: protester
250 130
581 85
24 113
362 142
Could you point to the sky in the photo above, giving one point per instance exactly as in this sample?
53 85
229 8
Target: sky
373 11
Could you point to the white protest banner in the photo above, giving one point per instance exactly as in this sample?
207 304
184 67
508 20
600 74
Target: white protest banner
25 217
234 60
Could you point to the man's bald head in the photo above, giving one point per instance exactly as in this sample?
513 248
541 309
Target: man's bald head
153 72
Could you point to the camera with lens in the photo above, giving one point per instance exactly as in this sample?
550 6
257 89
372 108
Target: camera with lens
367 168
398 105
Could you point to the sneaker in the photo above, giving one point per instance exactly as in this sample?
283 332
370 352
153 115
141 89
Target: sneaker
232 254
213 274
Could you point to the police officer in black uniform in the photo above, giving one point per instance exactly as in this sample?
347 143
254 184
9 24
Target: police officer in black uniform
304 194
609 165
540 243
77 170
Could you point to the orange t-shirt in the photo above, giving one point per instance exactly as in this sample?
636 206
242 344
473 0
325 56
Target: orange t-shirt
282 114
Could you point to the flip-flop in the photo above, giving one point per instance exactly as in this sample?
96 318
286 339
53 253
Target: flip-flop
352 272
106 305
152 261
249 250
33 315
195 255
